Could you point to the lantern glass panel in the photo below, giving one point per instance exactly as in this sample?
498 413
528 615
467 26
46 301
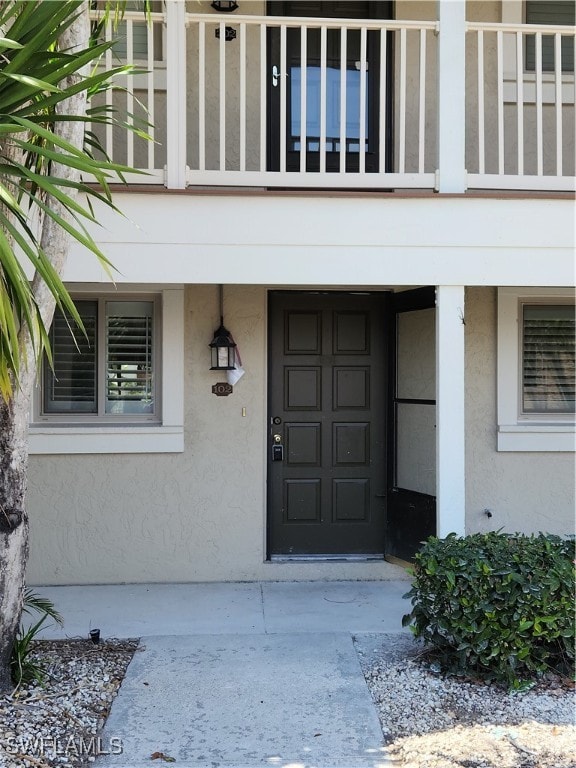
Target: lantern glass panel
223 357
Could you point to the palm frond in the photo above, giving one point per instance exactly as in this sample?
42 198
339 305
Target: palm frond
35 79
35 602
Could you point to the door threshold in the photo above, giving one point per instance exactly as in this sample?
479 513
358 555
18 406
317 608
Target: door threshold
327 558
399 561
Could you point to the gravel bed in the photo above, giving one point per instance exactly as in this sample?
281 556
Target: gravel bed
431 721
428 721
59 725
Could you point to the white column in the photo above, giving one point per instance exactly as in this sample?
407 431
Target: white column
451 96
176 94
450 459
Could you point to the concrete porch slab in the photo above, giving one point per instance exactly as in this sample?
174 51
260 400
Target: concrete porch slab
135 610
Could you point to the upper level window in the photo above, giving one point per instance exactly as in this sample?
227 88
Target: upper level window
550 12
108 371
135 34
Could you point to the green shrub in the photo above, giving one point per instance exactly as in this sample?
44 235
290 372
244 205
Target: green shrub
496 605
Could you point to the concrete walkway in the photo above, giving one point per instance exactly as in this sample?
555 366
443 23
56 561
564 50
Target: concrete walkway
241 675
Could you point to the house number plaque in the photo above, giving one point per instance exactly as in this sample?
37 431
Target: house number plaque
222 389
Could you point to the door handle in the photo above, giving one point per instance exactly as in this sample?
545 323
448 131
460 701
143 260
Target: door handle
276 75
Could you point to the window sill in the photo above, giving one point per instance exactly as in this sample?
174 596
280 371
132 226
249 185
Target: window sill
537 437
105 439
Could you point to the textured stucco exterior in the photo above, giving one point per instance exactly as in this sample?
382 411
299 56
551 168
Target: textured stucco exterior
200 515
525 491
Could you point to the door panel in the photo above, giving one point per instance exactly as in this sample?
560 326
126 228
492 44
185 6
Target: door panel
411 510
416 354
416 447
327 384
306 70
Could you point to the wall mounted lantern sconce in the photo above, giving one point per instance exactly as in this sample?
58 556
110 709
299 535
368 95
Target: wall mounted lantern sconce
223 350
224 6
222 346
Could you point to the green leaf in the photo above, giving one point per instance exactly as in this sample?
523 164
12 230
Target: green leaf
6 43
34 82
524 625
35 602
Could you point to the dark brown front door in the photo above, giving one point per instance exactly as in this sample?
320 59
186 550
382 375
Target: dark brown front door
327 384
309 69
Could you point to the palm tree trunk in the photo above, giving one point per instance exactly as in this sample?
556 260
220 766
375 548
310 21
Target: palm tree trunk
14 415
13 523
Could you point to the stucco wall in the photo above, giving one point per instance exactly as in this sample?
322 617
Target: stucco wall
524 491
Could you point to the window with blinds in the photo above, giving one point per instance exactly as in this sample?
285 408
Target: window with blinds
548 359
129 334
71 386
550 12
109 369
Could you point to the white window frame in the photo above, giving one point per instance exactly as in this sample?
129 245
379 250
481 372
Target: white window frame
518 431
61 434
78 416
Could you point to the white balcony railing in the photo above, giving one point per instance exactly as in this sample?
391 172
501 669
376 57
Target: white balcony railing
331 103
307 102
520 124
140 97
